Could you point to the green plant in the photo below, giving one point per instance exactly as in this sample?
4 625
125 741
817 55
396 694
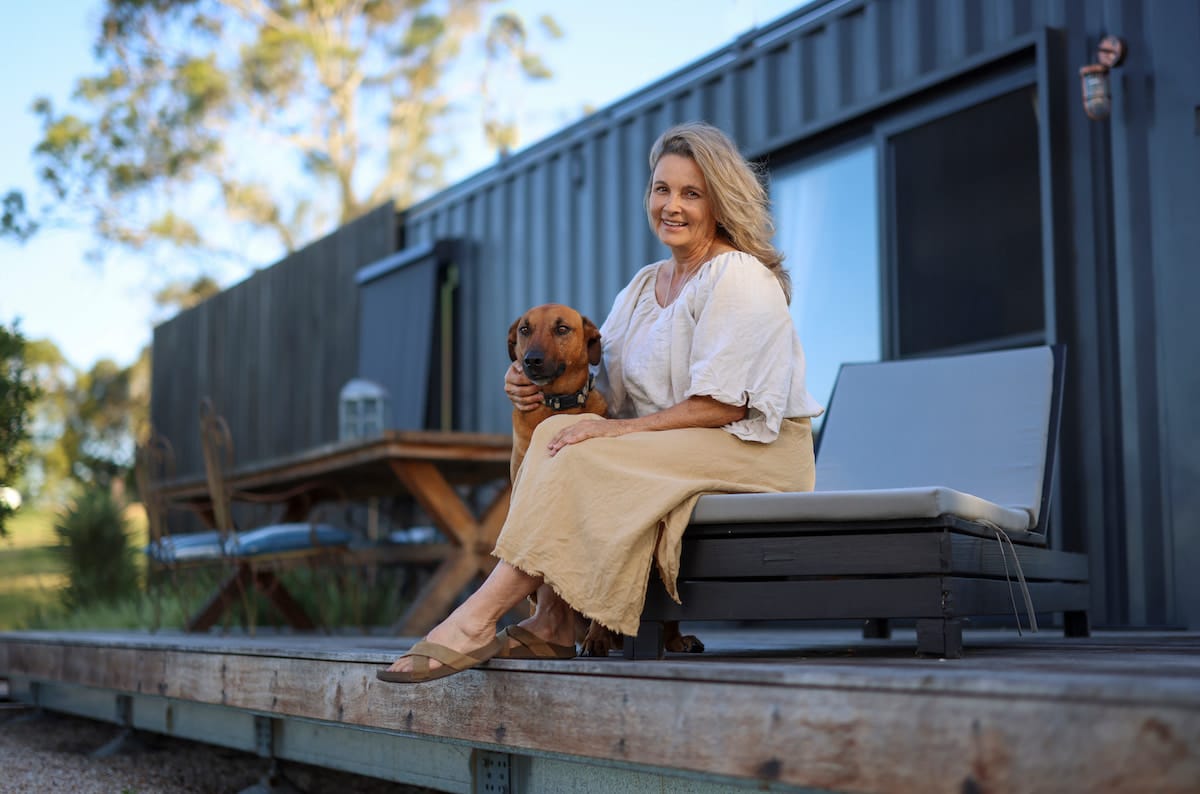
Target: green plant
94 539
17 393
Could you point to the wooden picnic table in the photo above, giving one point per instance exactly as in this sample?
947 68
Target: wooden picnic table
428 465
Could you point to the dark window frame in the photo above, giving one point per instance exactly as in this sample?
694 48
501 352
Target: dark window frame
1029 75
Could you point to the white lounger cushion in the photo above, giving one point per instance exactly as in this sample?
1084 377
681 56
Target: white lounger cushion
961 435
850 506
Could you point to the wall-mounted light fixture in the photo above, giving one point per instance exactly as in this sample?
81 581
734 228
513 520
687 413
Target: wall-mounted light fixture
1097 96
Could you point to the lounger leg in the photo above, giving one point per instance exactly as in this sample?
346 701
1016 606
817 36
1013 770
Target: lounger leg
940 637
1075 624
648 644
877 629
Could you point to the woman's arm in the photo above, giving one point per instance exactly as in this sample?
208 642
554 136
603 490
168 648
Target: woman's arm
692 412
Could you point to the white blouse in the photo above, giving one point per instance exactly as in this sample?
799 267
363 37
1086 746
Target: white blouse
728 336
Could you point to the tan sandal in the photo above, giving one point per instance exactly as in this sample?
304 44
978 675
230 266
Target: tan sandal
452 661
531 646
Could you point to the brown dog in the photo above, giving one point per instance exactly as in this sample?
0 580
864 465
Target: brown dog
555 345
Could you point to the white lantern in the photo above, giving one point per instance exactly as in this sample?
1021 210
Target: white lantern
364 409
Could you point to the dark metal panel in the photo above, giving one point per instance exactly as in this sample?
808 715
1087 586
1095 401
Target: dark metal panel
846 39
782 72
750 106
810 75
579 228
1135 275
689 104
396 337
538 199
564 261
1170 35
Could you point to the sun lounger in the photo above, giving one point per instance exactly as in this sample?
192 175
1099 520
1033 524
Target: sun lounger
932 503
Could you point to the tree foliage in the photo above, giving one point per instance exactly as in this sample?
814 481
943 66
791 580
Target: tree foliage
84 422
201 104
50 468
17 393
179 295
107 411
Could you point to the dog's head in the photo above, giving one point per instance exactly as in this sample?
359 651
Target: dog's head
553 340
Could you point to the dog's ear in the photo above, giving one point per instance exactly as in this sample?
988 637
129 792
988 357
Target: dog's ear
591 334
512 338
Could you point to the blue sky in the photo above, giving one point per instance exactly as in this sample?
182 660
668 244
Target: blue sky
104 311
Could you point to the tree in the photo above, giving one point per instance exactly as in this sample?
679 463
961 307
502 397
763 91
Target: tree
180 295
108 410
83 424
203 103
17 393
49 468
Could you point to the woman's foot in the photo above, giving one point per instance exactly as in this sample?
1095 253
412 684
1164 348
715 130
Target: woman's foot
554 626
458 632
471 628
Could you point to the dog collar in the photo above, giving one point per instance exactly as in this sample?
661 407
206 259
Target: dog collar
563 402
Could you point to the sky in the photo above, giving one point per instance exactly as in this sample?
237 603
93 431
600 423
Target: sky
93 311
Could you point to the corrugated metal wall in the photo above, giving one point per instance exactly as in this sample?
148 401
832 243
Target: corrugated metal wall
563 221
272 352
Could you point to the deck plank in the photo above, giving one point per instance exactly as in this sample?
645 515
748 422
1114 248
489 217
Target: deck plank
823 710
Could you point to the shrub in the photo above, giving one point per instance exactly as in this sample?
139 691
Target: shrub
17 394
95 543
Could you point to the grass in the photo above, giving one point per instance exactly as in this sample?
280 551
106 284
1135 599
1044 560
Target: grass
32 573
32 578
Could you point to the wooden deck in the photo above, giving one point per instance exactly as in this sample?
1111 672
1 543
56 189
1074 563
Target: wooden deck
779 709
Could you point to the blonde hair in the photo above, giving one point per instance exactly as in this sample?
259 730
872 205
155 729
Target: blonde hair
739 200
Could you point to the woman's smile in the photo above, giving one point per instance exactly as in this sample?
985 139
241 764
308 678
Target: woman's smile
679 202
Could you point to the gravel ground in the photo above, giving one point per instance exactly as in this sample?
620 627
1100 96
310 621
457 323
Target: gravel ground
52 753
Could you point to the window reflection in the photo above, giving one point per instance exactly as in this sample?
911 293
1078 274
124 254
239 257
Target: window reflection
827 226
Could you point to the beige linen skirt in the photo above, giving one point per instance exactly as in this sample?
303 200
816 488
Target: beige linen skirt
590 519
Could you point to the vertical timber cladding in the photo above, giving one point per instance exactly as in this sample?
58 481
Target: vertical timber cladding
272 351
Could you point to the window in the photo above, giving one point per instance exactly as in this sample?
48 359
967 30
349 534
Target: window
827 226
968 231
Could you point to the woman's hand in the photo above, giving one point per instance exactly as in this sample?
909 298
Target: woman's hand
588 428
522 392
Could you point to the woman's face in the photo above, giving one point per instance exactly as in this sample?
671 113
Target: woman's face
679 207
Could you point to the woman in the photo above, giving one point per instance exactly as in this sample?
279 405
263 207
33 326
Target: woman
704 378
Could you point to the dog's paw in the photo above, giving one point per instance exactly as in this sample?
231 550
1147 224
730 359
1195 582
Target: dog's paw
599 641
687 643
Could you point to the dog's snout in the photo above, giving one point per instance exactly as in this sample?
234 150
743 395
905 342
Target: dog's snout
534 361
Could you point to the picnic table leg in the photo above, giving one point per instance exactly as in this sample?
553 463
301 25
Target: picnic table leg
436 598
474 538
272 587
226 594
267 582
439 499
489 529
